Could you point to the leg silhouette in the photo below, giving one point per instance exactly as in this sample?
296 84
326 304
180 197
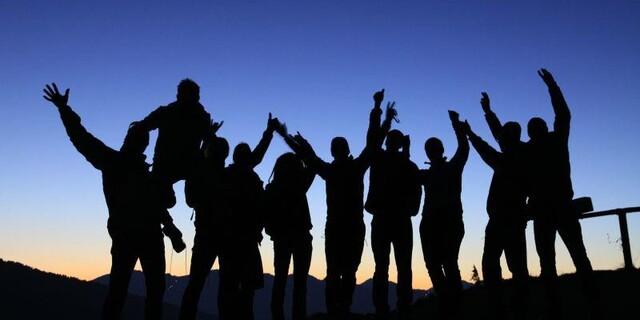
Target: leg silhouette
381 245
402 249
301 263
122 264
204 256
281 261
153 266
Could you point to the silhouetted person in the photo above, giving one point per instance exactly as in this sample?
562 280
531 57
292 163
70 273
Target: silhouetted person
182 126
240 263
344 229
207 192
551 196
393 198
135 213
442 228
506 203
288 223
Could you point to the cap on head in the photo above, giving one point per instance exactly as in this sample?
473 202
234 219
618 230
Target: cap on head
188 91
434 149
537 128
394 140
340 148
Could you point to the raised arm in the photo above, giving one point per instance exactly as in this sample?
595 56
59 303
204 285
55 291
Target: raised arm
492 119
290 140
305 151
375 116
375 134
462 153
490 155
94 150
308 176
212 134
389 115
261 149
562 121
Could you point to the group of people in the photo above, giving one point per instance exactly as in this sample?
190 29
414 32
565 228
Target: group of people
232 208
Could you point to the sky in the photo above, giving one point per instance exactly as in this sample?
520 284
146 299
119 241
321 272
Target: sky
315 65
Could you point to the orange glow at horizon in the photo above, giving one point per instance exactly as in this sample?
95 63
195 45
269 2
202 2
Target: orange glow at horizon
87 266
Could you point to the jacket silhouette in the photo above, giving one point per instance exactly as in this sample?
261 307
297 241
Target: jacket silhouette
288 223
393 198
241 270
344 228
135 213
182 126
442 228
506 204
207 191
551 195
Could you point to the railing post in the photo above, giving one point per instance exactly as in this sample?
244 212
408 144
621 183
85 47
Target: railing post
624 237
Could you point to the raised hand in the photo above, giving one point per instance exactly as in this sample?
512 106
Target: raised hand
547 77
273 124
215 126
378 97
485 102
391 112
301 141
454 116
281 129
53 95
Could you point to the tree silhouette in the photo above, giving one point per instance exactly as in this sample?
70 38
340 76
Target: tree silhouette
475 277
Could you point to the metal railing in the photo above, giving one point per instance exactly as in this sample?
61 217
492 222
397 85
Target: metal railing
624 229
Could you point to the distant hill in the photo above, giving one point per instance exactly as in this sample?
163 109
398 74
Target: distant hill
27 293
315 294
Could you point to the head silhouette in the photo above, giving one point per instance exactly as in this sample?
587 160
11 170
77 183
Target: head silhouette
288 168
188 91
434 149
340 148
242 154
511 132
136 140
394 140
217 150
537 128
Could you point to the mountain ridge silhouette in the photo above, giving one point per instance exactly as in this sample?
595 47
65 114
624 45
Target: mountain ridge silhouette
315 292
30 293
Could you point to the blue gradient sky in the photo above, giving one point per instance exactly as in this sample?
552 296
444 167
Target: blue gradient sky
314 64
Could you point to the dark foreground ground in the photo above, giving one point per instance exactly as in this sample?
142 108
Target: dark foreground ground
27 293
620 300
